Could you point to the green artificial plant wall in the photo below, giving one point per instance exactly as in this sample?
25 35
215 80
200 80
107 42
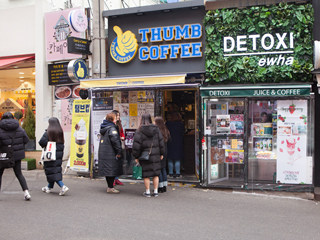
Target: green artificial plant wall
281 18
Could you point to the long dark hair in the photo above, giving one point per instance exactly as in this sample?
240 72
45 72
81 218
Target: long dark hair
145 120
163 128
118 123
176 117
54 131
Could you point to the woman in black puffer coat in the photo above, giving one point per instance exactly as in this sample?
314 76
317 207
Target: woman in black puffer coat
53 169
148 135
109 153
9 128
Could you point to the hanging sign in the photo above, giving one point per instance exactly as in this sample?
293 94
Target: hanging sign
78 45
78 20
78 70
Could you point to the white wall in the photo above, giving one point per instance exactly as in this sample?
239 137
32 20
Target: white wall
17 30
6 4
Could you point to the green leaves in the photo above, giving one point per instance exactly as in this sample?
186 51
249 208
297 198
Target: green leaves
281 18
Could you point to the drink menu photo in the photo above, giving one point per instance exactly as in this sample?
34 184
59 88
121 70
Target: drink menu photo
292 141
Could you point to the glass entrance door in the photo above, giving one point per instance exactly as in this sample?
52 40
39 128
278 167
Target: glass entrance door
224 139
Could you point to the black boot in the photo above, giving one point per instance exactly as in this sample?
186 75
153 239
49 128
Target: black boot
160 190
164 189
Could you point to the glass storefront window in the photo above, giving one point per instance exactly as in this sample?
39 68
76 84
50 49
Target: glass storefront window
278 142
224 128
258 143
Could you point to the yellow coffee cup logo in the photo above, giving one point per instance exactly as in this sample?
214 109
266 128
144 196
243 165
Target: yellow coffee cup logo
124 47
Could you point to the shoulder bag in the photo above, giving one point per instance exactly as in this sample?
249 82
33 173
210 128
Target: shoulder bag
6 154
145 155
49 152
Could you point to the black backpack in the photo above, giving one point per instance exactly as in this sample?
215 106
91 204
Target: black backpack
6 154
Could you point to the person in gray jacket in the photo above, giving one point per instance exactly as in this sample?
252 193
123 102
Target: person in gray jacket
9 129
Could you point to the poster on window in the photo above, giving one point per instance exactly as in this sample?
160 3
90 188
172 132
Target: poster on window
133 110
217 155
117 97
133 122
223 124
141 96
150 109
236 124
234 156
292 142
129 134
124 97
150 96
124 110
133 96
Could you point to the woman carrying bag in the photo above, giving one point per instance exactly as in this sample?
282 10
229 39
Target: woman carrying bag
53 169
148 138
12 134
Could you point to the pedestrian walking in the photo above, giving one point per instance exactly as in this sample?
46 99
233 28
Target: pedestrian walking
121 133
163 180
148 137
12 134
175 147
53 169
109 153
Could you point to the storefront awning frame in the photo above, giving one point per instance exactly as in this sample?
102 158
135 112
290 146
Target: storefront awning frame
7 62
133 82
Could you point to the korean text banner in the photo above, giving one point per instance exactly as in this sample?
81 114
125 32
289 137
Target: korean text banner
79 152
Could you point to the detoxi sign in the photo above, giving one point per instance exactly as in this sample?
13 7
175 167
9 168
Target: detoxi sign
284 47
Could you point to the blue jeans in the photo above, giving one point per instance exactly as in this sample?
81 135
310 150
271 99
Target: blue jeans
163 180
60 183
176 163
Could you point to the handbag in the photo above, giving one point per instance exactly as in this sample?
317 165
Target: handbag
137 172
49 152
6 155
145 155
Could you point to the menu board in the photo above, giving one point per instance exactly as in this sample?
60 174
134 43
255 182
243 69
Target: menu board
58 74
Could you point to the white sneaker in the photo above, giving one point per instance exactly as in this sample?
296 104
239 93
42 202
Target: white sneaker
64 189
46 189
27 196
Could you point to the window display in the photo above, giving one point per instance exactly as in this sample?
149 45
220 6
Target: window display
225 130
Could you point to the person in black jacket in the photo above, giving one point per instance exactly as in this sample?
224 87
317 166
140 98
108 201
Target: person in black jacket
53 169
148 136
175 147
9 129
163 180
109 153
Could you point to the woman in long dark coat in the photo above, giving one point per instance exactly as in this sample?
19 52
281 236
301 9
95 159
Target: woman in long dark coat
148 136
109 153
9 129
163 180
53 169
